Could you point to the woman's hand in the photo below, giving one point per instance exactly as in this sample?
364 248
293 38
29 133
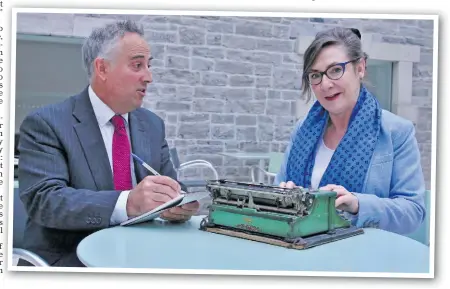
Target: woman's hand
345 200
288 185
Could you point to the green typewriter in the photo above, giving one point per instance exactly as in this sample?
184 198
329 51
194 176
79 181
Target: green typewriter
295 218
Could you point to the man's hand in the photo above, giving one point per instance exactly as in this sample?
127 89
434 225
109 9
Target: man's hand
150 193
181 214
345 200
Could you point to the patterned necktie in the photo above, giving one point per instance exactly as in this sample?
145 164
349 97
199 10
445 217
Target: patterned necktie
121 155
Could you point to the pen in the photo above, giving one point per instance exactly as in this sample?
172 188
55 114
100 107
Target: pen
145 165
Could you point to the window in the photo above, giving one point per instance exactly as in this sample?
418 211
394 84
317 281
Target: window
379 75
48 69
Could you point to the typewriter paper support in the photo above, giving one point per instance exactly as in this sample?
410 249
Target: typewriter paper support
293 218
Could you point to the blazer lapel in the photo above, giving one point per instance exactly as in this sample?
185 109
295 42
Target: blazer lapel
91 141
140 144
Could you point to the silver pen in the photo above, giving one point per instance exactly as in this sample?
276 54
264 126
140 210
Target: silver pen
148 167
145 165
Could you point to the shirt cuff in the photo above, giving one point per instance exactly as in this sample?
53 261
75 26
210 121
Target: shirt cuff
119 214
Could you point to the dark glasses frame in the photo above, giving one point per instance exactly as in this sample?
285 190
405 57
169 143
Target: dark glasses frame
322 73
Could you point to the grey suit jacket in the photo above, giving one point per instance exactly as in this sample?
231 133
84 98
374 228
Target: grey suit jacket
65 179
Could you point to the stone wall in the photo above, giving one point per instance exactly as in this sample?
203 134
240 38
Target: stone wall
230 83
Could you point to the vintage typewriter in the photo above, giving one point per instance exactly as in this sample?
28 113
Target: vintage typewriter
294 218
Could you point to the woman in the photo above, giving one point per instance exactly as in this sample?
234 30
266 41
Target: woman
348 144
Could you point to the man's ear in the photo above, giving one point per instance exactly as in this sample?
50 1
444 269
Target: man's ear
101 68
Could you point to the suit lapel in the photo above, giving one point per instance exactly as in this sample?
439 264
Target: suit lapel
140 143
91 141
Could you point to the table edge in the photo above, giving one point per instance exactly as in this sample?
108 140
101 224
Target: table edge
198 218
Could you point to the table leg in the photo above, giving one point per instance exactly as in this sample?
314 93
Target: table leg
262 162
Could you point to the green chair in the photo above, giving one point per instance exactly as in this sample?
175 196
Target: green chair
422 234
275 161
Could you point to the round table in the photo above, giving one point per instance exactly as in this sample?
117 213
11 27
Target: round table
164 245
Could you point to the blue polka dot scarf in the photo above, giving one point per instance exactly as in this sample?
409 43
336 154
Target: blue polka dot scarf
350 161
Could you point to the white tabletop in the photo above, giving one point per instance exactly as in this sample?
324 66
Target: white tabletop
164 245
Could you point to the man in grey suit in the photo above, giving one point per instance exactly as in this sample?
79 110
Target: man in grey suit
76 173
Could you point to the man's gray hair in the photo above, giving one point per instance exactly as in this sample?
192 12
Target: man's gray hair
102 41
349 38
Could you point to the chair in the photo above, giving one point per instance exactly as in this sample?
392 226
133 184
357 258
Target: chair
189 164
275 161
16 154
16 144
422 234
19 222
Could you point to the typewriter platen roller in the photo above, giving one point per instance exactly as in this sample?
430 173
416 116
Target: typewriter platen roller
293 218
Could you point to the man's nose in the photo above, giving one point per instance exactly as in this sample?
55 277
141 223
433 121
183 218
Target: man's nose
148 77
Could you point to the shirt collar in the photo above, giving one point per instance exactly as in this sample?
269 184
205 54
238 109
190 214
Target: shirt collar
103 113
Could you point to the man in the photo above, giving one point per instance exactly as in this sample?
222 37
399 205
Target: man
76 173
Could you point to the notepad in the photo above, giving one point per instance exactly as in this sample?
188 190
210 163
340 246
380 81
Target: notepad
156 212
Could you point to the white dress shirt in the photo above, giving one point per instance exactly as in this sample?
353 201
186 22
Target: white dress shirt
103 113
323 158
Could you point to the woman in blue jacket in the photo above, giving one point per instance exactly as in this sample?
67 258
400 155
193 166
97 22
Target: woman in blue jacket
348 144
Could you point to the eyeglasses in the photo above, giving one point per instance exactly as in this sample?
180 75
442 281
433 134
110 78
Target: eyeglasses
334 72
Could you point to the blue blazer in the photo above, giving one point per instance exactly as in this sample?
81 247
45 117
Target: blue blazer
394 189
